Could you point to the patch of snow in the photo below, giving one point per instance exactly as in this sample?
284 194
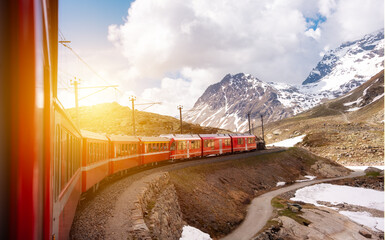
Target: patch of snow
309 178
362 168
353 109
191 233
336 194
378 97
280 184
366 219
288 142
354 102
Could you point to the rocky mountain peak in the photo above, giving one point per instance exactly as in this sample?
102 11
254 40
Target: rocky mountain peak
227 103
369 48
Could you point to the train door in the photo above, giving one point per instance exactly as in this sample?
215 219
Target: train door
188 148
246 139
220 146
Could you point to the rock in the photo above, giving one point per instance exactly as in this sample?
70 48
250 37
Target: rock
372 169
277 132
365 233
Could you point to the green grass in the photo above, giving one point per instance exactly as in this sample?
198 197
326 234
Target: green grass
280 204
277 203
372 174
295 216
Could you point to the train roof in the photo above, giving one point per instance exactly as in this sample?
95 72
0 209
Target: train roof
182 136
241 135
92 135
123 138
214 135
154 139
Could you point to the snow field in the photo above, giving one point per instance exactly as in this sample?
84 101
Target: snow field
362 168
365 218
336 194
288 142
191 233
280 184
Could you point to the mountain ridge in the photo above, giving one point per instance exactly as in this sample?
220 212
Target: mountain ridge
227 103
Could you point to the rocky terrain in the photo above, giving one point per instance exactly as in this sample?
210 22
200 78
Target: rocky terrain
112 118
348 129
227 103
214 197
211 194
313 222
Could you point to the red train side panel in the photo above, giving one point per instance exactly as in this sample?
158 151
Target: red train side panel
154 149
215 144
184 146
95 159
124 153
242 142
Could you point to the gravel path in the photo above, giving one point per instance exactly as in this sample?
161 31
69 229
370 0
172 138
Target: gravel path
93 214
260 209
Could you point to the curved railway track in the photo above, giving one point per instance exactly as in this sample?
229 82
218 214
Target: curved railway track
96 209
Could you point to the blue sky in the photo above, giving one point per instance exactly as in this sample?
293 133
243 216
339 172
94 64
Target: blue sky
85 22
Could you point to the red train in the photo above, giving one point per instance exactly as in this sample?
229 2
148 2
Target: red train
46 162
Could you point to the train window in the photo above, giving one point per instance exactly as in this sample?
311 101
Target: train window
56 162
173 146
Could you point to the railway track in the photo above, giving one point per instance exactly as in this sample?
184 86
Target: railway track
96 209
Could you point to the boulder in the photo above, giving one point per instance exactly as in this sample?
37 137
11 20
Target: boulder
372 169
277 132
365 233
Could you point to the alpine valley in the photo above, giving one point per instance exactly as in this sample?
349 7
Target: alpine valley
227 103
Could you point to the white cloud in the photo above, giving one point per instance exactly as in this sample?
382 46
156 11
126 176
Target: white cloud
326 7
351 19
177 47
316 34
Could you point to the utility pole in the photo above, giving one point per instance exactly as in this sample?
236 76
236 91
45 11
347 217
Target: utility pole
132 99
263 134
248 117
180 107
75 83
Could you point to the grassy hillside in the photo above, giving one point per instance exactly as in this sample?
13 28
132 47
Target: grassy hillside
348 137
112 118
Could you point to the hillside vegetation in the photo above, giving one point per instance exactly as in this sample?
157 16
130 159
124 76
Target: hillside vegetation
336 132
112 118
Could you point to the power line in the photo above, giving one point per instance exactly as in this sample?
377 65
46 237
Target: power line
64 43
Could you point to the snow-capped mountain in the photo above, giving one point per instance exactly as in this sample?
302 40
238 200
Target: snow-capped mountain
227 103
347 66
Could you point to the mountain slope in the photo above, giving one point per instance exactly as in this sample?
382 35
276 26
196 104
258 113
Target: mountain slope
349 129
227 103
112 118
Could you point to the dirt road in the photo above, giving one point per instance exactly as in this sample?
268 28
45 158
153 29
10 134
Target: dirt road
260 209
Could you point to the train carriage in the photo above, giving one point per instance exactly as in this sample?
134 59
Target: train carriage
95 159
242 142
251 143
124 153
183 146
214 144
66 188
154 149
